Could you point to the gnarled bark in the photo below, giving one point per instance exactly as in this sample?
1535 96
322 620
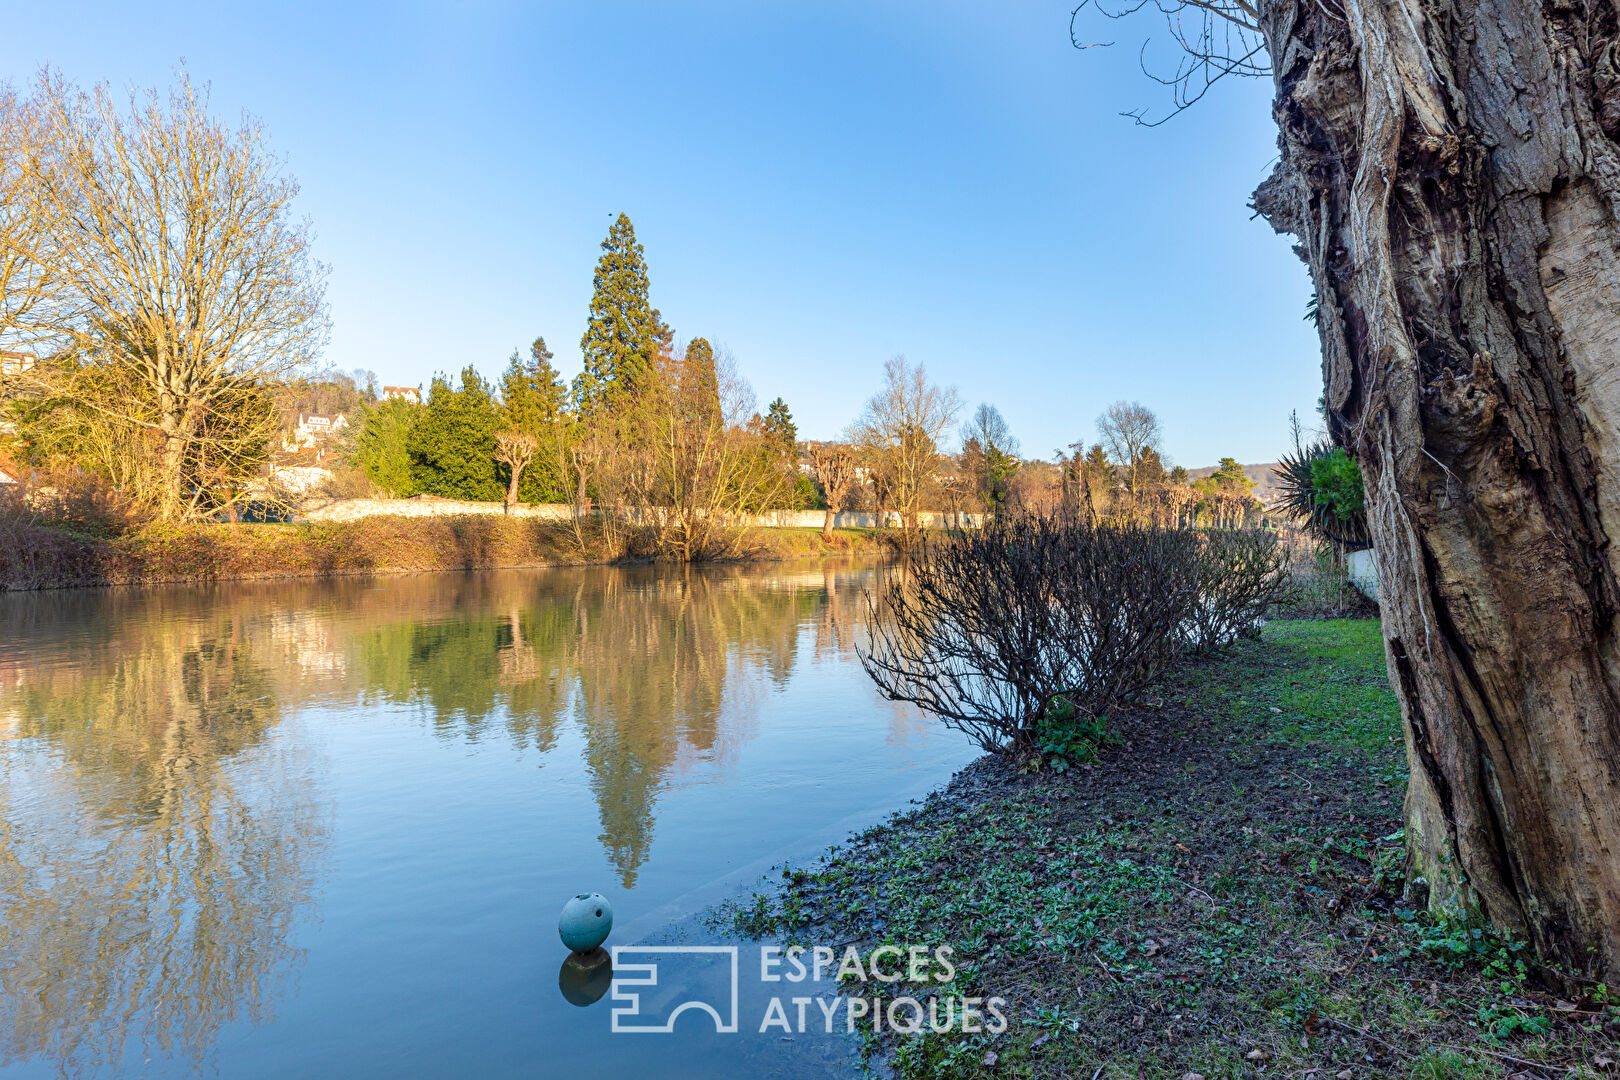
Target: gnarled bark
1452 176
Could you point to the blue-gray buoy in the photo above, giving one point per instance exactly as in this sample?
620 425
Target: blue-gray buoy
585 922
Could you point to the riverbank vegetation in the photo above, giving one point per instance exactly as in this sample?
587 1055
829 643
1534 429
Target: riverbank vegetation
1221 894
35 556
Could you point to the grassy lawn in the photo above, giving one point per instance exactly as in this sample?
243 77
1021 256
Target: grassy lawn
1220 895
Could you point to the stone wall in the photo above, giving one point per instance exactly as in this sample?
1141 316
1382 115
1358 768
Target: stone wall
351 509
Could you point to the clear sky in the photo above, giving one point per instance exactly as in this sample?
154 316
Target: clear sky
817 186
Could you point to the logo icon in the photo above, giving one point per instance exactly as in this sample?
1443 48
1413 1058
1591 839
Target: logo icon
657 983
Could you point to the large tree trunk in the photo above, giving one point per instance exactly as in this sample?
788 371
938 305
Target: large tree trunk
512 489
1452 176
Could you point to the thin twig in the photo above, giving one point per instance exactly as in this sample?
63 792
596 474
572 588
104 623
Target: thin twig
1510 1058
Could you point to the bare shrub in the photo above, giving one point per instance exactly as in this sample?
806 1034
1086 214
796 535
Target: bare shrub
1241 579
1319 581
347 484
76 499
987 630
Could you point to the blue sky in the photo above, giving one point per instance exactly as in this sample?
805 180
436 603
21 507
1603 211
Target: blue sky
818 187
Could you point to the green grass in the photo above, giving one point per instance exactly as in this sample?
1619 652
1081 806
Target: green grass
1325 679
1219 895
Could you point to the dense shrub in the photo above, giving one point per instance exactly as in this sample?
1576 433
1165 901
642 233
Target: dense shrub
1241 580
1025 634
987 630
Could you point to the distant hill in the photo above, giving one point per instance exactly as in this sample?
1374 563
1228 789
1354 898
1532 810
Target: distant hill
1264 478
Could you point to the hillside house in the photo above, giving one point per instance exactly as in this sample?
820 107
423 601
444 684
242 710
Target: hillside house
15 363
403 393
314 429
10 471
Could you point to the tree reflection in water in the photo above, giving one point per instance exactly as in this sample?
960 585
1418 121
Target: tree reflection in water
155 845
653 666
162 825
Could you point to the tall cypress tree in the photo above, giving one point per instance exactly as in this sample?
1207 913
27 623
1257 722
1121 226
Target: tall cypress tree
625 332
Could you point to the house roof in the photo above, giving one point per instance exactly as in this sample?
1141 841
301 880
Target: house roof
10 471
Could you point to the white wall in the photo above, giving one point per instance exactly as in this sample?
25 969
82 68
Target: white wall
351 509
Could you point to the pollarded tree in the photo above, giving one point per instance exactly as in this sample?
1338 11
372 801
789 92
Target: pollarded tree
625 334
534 401
835 468
514 449
1452 175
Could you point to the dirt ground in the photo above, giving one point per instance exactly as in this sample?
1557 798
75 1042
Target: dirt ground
1219 895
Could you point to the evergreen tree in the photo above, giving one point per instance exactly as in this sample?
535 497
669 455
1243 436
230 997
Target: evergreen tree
780 428
990 456
533 396
625 334
700 353
1230 475
698 378
453 440
382 445
1098 468
1149 470
534 401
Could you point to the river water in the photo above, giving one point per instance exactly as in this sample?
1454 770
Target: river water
324 829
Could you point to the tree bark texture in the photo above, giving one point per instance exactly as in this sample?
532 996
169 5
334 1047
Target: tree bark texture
1452 175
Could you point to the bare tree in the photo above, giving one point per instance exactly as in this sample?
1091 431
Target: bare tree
26 225
1129 430
170 268
693 466
835 468
899 433
514 449
990 454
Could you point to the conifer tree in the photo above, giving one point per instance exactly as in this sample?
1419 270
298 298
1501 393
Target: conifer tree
781 429
382 446
534 402
453 440
625 334
1231 475
698 376
532 392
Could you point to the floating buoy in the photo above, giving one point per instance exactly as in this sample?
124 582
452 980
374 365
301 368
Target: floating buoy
585 922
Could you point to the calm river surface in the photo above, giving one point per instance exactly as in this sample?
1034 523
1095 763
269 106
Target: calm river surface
325 829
